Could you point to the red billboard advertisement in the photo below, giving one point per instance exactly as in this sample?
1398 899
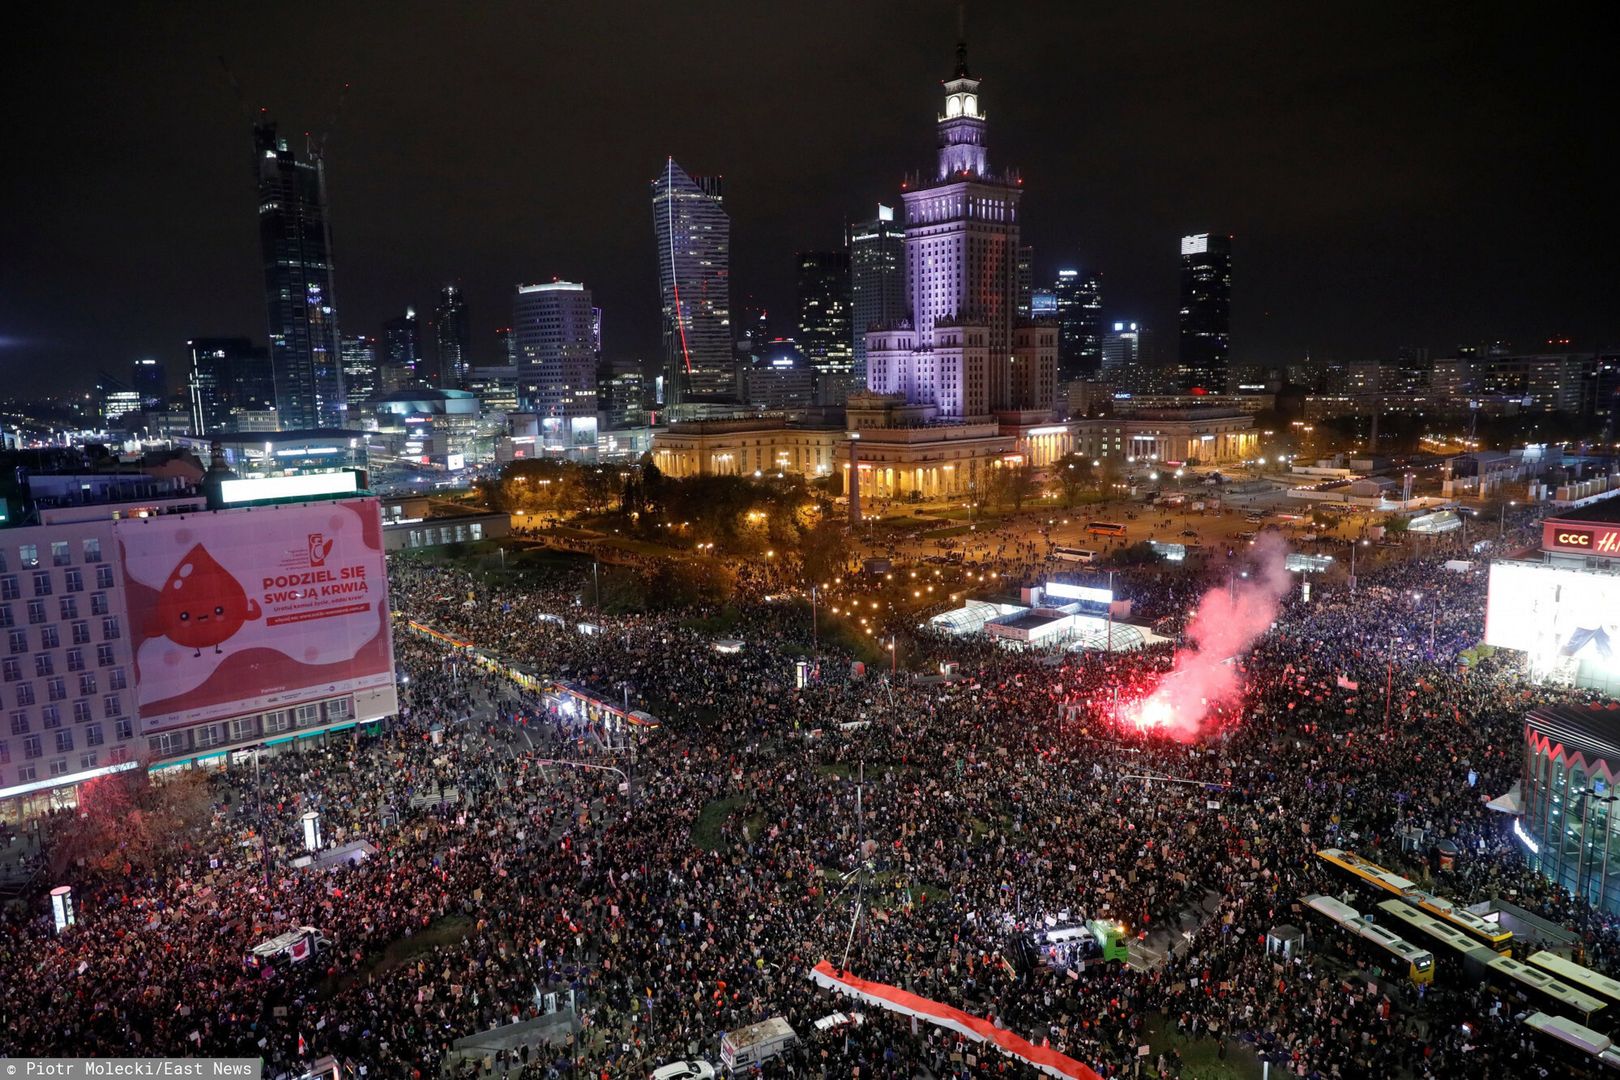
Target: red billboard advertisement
240 611
1584 537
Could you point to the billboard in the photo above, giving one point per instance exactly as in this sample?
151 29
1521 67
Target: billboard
1555 613
1580 537
244 610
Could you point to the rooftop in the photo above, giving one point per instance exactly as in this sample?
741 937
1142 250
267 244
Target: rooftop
1591 731
1605 512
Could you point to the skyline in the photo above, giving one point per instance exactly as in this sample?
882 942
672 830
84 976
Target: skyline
1464 189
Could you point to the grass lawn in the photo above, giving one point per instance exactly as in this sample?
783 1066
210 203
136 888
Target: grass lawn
725 622
446 931
706 829
945 533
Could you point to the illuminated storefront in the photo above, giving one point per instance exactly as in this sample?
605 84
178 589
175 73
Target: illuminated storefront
1569 830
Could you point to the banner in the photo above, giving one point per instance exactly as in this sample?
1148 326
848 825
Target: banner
894 999
238 611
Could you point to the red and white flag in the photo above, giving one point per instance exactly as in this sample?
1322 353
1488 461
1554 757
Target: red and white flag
1346 684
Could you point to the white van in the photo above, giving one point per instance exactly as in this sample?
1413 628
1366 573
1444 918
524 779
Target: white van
746 1047
293 947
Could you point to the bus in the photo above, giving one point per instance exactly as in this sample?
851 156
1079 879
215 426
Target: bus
1105 528
1581 978
1541 991
1586 1053
1074 554
1451 946
1480 930
1374 943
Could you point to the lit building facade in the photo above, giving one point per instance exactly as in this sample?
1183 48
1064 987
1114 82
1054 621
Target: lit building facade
958 351
1206 312
452 329
1121 348
743 447
693 233
1570 825
553 326
296 241
70 690
825 310
1077 297
401 356
359 370
227 376
877 270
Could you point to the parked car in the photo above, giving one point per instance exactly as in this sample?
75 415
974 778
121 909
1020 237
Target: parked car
694 1069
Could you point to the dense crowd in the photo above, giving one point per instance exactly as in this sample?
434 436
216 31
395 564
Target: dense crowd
761 817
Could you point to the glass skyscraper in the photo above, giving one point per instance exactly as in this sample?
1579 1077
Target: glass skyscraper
454 334
824 310
877 275
1206 312
1080 323
304 351
226 375
553 327
694 278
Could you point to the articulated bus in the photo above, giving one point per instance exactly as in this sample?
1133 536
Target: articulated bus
1480 930
1581 978
1451 946
1541 991
1586 1053
1105 528
1374 943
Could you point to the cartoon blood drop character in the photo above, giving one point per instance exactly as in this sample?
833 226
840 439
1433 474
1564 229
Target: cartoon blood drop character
202 604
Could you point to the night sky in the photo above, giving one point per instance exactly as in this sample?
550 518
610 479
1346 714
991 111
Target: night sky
1418 173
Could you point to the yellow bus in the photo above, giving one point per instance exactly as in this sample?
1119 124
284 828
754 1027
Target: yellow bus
1450 945
1374 943
1541 991
1478 929
1581 978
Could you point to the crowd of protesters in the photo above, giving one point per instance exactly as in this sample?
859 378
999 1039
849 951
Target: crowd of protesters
906 831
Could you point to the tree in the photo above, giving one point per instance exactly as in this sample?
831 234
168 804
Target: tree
127 823
822 549
1071 474
1020 483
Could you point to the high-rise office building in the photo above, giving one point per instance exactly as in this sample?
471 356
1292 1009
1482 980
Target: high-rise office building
1026 278
824 310
505 348
694 275
1043 305
1078 296
151 381
117 402
402 341
552 324
359 370
621 394
1121 348
227 375
400 362
1206 312
877 277
453 333
751 324
296 241
965 351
